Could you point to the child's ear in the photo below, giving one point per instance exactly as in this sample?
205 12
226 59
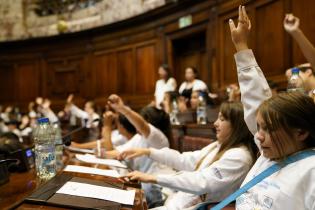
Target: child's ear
302 134
309 72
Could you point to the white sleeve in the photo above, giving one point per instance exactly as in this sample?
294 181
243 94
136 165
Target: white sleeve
50 115
156 88
172 84
226 173
78 112
200 85
156 138
182 87
128 145
253 85
185 161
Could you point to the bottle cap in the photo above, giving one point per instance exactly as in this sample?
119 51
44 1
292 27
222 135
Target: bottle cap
295 70
42 120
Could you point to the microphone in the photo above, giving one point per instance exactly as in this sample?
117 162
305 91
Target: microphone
66 139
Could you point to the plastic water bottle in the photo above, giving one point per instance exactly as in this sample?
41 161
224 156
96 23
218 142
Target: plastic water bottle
201 110
59 146
45 159
173 115
295 82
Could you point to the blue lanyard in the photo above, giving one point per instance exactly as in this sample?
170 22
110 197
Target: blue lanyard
269 171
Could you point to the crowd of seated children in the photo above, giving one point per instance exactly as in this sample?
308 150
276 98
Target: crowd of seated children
279 125
211 173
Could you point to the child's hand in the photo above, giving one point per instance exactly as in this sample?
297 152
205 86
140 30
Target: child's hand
291 23
142 177
108 117
70 99
240 33
133 153
116 103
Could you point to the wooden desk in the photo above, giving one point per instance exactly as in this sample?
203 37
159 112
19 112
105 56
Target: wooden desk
22 185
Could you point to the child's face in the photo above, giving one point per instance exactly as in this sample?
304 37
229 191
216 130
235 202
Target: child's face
223 128
194 100
290 144
267 146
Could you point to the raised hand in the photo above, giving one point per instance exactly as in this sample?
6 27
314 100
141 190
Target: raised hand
291 23
116 103
133 153
240 33
108 117
142 177
46 103
70 99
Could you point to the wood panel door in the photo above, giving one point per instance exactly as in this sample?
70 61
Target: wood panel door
190 51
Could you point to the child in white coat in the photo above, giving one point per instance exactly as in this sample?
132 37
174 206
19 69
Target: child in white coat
283 125
211 173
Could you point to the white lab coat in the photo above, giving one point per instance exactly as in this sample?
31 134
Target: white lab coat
161 87
85 116
144 164
291 188
216 180
198 85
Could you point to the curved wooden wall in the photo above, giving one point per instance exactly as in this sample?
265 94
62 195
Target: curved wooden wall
123 57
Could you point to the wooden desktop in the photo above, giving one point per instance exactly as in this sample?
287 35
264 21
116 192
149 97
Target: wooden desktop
21 185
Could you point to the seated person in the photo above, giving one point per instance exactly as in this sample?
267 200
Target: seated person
283 126
112 125
164 84
211 173
153 128
24 127
191 83
89 117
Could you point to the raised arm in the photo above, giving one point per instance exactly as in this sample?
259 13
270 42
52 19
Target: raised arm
107 130
106 135
180 161
140 124
217 180
253 84
291 25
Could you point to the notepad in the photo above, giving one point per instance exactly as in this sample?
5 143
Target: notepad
92 159
93 191
90 170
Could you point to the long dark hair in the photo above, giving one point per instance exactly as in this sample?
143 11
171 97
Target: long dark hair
167 69
158 118
240 136
285 112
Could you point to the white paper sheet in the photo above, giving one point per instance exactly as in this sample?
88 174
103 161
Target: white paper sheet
92 159
93 191
90 170
75 149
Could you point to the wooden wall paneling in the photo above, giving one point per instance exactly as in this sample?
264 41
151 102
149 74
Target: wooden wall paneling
105 74
65 76
125 71
146 68
227 67
7 83
186 47
27 81
269 43
211 46
306 12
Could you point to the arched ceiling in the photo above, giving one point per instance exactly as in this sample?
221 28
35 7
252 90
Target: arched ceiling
23 19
